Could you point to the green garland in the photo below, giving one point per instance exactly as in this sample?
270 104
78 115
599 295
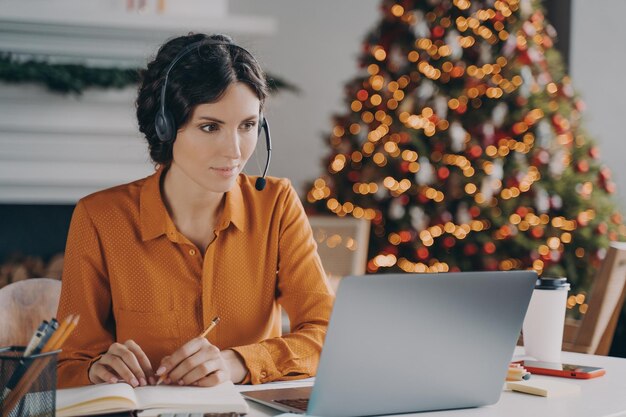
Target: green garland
74 78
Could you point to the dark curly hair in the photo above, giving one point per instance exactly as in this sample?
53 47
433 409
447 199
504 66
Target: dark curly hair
199 77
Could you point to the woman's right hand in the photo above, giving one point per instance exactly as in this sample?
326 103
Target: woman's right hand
123 362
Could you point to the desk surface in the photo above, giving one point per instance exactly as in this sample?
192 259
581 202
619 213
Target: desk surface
600 397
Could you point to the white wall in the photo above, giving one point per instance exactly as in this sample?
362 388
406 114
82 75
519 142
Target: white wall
315 48
598 69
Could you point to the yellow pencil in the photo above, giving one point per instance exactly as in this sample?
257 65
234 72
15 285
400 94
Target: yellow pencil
63 337
211 326
58 333
203 334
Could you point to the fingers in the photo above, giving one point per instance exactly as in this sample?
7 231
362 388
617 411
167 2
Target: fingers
99 373
193 362
215 378
142 359
124 361
199 367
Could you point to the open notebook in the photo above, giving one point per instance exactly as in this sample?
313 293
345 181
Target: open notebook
108 398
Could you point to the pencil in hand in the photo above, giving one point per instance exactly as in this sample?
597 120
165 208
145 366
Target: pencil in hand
206 331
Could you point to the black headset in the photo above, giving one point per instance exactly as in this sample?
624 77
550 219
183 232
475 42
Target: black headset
164 121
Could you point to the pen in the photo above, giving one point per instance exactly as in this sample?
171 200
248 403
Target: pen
48 343
34 341
38 341
52 341
203 334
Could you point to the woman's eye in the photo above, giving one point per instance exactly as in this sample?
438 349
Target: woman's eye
211 127
249 125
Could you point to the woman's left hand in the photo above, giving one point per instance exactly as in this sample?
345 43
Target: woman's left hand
200 363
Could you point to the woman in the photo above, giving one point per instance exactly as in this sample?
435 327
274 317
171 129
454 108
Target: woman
149 264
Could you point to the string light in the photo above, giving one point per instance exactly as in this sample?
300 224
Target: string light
431 190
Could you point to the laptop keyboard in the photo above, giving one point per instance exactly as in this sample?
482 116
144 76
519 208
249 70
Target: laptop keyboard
298 403
200 415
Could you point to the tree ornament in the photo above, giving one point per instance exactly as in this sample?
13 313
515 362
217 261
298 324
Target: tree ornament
441 107
458 136
419 219
499 113
426 173
542 200
396 209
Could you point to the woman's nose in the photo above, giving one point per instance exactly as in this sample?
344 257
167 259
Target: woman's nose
232 147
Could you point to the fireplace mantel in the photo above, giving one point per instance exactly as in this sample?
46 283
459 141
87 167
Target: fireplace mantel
55 148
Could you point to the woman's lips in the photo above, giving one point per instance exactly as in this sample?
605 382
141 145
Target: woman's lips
226 171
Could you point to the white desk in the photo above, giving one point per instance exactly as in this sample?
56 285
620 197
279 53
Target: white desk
600 397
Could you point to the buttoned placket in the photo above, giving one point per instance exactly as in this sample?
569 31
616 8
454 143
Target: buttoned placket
208 277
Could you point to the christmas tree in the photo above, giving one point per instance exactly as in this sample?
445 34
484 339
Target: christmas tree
463 145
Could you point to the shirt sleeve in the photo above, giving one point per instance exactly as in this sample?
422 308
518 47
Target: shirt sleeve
304 293
85 291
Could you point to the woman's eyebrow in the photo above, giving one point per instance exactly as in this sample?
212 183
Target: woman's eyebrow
211 119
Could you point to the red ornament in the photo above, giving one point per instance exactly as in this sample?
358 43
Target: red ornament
594 152
474 211
449 242
405 236
605 174
422 253
559 123
602 228
390 250
582 166
475 151
536 232
470 249
523 56
489 248
610 187
438 31
443 173
491 264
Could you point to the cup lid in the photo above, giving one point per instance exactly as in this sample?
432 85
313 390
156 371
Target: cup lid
550 283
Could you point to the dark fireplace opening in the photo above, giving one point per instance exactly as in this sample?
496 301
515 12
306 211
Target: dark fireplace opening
32 240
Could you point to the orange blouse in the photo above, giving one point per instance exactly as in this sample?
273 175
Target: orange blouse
131 274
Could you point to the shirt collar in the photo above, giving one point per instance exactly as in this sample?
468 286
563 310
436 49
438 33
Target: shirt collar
234 208
155 220
152 212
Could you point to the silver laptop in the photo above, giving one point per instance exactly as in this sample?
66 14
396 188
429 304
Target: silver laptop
400 343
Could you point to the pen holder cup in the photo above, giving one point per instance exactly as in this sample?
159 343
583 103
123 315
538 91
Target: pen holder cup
33 380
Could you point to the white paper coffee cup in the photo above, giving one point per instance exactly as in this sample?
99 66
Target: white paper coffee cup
545 319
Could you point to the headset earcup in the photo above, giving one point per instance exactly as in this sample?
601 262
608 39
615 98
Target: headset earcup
164 126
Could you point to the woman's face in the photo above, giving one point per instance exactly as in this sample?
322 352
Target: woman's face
213 147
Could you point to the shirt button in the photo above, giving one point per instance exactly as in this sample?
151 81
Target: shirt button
263 374
192 252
